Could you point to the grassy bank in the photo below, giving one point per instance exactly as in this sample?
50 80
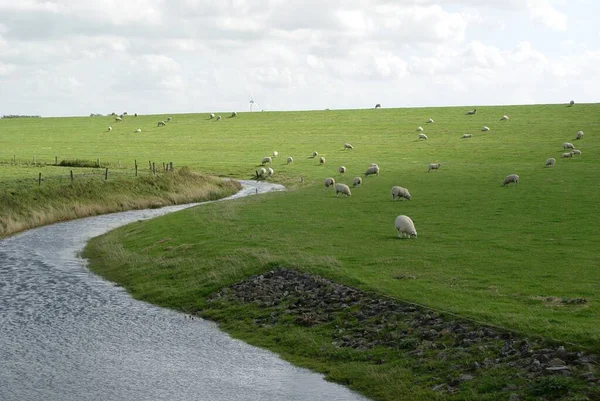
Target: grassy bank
27 206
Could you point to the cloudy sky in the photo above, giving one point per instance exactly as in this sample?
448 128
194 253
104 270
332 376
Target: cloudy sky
76 57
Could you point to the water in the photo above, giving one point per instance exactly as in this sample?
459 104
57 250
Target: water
66 334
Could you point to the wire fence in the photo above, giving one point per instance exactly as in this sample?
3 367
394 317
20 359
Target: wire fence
77 170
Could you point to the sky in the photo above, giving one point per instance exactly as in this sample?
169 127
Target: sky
76 57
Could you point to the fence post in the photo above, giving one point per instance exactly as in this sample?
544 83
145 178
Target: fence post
150 165
56 160
170 166
106 174
34 159
98 162
164 168
71 177
136 169
40 180
154 168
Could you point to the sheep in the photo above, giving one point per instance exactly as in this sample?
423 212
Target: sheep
550 162
329 182
348 146
485 128
211 116
117 119
420 129
342 169
315 154
567 155
266 160
378 106
579 135
322 160
342 189
233 114
571 103
576 152
161 124
434 166
504 117
109 128
275 153
568 145
218 118
422 136
290 160
466 136
169 119
135 115
356 181
511 178
405 227
270 171
124 113
372 170
138 130
471 112
400 192
261 172
374 165
430 120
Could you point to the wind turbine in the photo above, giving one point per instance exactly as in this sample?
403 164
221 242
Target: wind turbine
252 102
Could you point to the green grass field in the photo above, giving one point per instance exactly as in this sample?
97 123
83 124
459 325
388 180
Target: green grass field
494 254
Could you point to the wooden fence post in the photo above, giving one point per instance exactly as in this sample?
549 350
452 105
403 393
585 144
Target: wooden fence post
40 180
154 168
71 177
136 169
97 162
106 174
170 166
56 160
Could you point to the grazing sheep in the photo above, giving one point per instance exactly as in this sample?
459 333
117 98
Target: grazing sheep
342 189
261 172
576 152
290 160
567 155
434 166
400 192
270 171
211 115
218 118
420 129
124 113
315 154
422 136
571 103
138 130
329 182
568 145
471 112
504 117
135 115
356 181
485 128
511 178
348 146
275 153
169 119
266 160
405 227
322 160
110 128
161 124
550 162
342 169
374 165
121 116
117 119
579 135
372 170
377 106
466 136
233 114
430 120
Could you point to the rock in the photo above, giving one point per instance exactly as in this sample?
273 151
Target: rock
556 362
514 397
465 378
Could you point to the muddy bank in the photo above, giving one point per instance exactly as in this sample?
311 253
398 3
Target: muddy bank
465 354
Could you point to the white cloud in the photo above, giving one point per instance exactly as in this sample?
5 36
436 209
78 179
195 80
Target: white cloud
542 11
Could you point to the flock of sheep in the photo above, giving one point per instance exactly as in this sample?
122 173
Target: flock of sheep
163 123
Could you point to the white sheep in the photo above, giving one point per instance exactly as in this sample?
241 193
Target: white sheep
233 114
466 136
342 169
329 182
117 119
550 162
374 165
315 154
169 118
109 128
218 118
471 112
579 135
138 130
270 171
261 172
420 129
405 227
372 170
504 117
342 189
422 136
348 146
567 155
571 103
511 178
356 181
400 192
275 153
211 115
430 120
433 166
266 160
322 160
568 145
485 128
161 124
290 160
576 152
